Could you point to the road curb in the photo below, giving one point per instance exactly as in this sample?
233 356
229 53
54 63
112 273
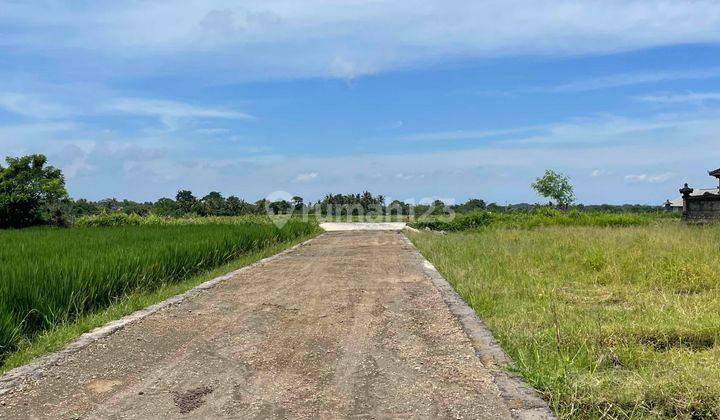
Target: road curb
36 369
521 399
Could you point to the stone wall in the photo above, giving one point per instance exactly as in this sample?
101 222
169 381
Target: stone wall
702 209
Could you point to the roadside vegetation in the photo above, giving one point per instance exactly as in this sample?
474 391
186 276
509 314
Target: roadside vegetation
618 322
51 276
539 217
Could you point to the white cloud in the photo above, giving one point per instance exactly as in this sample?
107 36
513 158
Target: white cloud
692 98
65 105
306 177
652 179
169 111
37 130
599 172
33 106
582 131
409 176
649 148
628 79
259 39
470 134
343 69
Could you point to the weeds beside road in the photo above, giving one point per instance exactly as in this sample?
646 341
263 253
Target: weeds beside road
620 322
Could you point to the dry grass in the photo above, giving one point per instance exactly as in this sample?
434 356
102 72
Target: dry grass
605 322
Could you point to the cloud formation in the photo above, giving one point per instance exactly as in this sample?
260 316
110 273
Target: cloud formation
148 166
306 176
695 98
652 179
169 112
259 39
629 79
32 106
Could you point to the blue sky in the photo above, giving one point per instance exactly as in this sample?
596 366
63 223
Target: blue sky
413 99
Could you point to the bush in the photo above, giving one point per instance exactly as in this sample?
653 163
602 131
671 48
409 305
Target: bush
538 217
459 222
109 219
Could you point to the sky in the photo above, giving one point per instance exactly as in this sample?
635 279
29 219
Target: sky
415 100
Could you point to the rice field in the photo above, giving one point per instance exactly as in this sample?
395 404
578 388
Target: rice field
616 322
50 276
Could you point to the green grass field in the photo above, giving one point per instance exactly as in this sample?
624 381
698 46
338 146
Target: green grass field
51 276
619 322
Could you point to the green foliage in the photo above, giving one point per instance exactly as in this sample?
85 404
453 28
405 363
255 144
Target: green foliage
56 338
236 206
29 192
474 204
122 219
351 204
458 222
166 207
50 276
546 216
365 206
115 219
280 207
539 217
606 323
185 201
185 204
214 204
555 186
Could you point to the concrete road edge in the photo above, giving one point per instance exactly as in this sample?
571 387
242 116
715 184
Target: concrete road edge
522 400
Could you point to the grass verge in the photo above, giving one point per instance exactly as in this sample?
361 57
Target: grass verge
605 322
57 337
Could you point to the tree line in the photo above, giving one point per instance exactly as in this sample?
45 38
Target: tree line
33 193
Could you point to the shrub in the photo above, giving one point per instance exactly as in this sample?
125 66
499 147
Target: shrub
459 222
109 219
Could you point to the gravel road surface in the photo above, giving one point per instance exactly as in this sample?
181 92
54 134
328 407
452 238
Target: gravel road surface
344 326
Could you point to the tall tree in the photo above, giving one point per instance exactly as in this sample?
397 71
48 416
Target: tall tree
214 204
555 186
165 207
29 190
234 206
297 203
185 200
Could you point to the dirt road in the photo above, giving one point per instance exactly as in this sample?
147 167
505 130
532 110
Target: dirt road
347 325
